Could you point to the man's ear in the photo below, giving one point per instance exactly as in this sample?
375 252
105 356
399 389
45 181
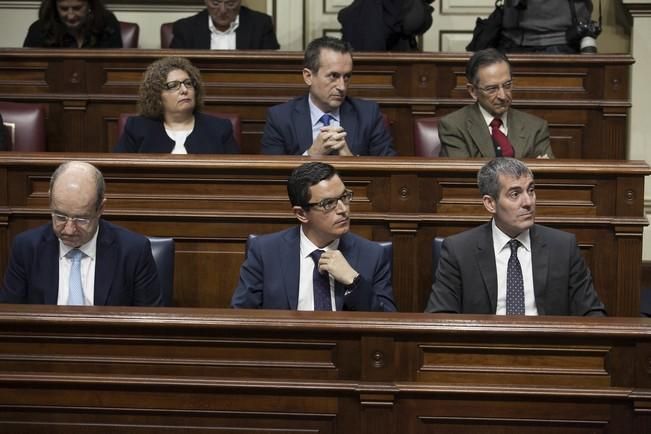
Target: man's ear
489 203
100 210
472 90
300 214
307 76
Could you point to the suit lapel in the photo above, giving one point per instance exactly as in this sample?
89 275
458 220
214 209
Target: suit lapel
49 253
290 252
105 264
348 121
479 132
243 33
347 248
303 123
485 256
540 268
516 134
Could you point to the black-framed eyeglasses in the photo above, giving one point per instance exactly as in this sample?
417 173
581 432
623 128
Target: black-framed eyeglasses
493 90
176 84
62 219
330 203
228 4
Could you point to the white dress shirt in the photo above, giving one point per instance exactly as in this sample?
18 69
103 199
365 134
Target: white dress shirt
88 261
179 138
305 285
223 40
502 255
488 118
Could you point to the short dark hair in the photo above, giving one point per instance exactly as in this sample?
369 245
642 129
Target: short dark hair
482 58
312 54
488 176
304 177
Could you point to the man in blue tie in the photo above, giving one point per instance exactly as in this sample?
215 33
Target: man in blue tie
80 259
318 265
326 121
510 265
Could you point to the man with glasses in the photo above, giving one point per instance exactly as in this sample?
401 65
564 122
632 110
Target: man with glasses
318 265
225 25
80 259
490 127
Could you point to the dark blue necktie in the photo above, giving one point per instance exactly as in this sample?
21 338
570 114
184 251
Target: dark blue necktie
326 119
514 283
321 284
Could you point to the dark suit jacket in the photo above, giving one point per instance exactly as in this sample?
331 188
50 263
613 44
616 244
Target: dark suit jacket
288 130
255 32
464 133
466 279
211 135
270 273
125 272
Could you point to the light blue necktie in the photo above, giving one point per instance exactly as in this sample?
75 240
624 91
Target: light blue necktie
75 290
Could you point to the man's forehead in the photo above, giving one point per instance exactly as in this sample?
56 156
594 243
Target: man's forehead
509 181
328 188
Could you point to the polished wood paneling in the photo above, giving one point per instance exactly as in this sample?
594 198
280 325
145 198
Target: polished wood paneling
128 370
585 99
210 205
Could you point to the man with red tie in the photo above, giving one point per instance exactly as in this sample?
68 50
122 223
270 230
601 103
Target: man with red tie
490 127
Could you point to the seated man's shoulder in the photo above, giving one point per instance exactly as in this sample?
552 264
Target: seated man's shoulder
289 105
124 235
553 233
246 13
459 115
364 105
33 236
193 19
526 117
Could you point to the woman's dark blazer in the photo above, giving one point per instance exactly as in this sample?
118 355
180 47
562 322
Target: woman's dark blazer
109 37
211 135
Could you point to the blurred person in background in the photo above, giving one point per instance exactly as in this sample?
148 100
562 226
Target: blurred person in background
74 24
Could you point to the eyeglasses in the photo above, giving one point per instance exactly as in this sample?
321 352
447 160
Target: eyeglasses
62 219
228 4
176 84
493 90
329 204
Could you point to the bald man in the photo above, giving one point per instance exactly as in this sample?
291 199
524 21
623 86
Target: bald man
80 259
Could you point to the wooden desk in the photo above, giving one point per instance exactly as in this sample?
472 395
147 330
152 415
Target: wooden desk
210 205
585 99
125 370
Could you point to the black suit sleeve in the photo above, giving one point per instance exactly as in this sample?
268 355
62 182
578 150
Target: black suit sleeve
179 39
34 36
111 37
14 285
268 40
127 141
445 296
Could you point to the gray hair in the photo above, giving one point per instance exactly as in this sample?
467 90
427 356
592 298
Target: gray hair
488 176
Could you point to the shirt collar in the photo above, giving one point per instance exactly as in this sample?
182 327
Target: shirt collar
488 118
316 113
501 240
308 246
234 25
89 249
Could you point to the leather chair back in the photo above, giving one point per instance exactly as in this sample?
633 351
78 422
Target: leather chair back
24 125
166 35
426 137
232 117
163 251
130 33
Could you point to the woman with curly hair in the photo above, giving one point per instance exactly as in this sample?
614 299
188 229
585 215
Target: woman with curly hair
74 24
169 120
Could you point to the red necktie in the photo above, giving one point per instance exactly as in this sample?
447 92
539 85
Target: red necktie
502 144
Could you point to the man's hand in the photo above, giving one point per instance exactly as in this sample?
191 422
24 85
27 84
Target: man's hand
543 156
333 262
331 140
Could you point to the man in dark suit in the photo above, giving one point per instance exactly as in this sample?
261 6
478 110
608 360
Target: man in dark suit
79 259
473 131
317 265
225 24
326 121
511 265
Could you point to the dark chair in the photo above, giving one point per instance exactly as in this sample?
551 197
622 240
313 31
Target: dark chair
130 33
437 244
25 126
166 35
163 251
426 137
233 117
645 302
